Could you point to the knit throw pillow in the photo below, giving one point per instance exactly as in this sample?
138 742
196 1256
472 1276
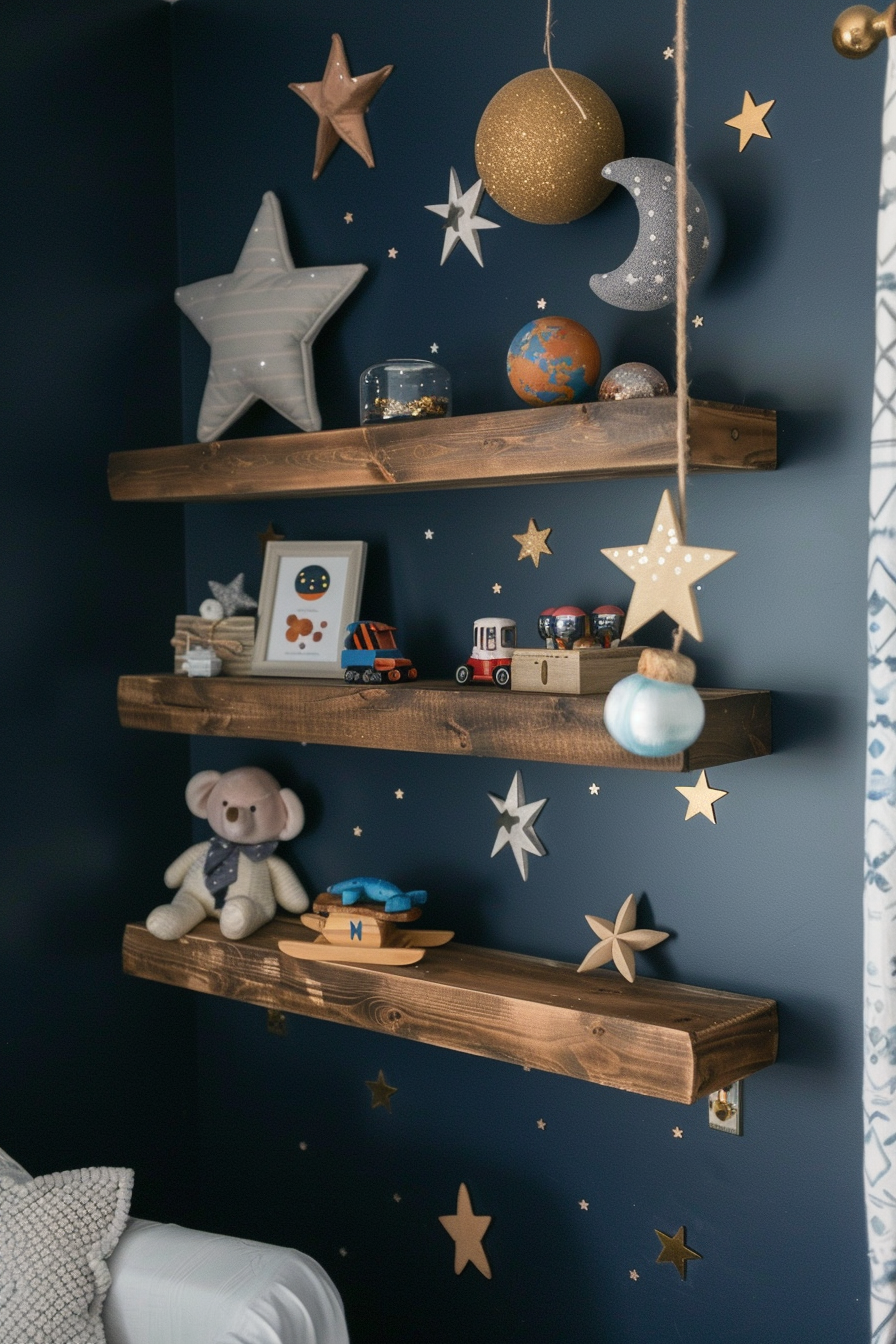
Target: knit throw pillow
55 1234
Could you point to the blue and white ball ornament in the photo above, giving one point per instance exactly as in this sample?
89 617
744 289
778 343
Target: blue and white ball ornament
656 711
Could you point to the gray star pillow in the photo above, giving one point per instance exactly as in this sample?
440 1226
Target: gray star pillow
55 1235
261 322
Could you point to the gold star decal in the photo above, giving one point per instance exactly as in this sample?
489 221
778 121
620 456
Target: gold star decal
393 252
356 830
664 569
583 1205
496 587
349 217
268 535
751 121
701 797
677 1133
697 321
399 794
542 1124
466 1230
340 101
633 1274
620 940
381 1093
533 543
675 1252
595 789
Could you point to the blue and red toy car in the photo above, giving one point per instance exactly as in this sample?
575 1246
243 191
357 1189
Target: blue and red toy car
371 654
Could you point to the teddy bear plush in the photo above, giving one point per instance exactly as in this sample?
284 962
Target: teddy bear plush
234 877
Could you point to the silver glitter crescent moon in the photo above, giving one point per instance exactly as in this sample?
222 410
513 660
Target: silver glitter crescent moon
647 279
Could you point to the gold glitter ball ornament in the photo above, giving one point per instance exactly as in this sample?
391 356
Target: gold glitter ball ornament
537 157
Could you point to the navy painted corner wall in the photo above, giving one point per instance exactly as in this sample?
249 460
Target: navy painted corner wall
766 902
94 1067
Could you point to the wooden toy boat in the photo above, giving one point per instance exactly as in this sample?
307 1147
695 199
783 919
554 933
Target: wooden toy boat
364 934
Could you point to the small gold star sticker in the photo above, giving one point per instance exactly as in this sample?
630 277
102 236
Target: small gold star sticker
381 1093
675 1252
399 794
349 217
542 1124
668 53
701 797
393 252
697 321
583 1205
268 535
633 1274
533 543
496 587
677 1133
356 830
620 940
542 303
466 1229
595 789
751 121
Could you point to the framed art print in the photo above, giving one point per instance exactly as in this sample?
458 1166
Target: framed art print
310 591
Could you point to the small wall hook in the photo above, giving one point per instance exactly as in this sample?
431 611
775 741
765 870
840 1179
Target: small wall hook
859 30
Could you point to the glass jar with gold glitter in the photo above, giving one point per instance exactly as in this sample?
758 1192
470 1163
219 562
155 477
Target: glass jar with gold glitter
404 389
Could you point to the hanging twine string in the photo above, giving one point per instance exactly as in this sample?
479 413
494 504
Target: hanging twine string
547 51
681 287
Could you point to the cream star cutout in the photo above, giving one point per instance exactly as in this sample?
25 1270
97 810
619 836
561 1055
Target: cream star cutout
466 1230
583 1205
434 349
668 53
343 1252
357 830
697 321
428 534
595 789
542 303
304 1147
462 224
397 1198
340 101
633 1274
677 1133
393 252
750 121
517 822
233 596
621 940
399 794
496 587
701 797
533 542
542 1124
664 569
349 217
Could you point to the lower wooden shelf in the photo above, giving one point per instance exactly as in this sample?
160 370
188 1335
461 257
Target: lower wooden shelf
433 716
654 1037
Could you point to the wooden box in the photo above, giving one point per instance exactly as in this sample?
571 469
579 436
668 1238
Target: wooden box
572 671
232 638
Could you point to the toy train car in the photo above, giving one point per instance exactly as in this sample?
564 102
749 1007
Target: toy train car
371 654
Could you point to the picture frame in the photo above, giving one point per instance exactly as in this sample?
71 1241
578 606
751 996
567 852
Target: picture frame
310 591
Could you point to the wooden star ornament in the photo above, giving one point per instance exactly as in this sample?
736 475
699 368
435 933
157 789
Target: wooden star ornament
269 534
750 121
701 797
664 570
467 1229
533 542
620 940
675 1252
381 1093
340 101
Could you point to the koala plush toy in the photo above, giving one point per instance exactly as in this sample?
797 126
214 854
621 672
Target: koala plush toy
234 876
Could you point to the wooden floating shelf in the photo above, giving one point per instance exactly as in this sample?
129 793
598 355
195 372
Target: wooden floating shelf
654 1037
557 443
436 716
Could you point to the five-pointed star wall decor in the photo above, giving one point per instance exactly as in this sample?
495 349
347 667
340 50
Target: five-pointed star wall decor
261 321
675 1252
381 1093
750 121
701 797
664 569
533 542
516 825
620 940
462 224
269 534
233 596
467 1229
340 101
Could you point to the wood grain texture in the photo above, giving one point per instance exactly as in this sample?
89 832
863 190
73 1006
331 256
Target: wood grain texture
557 443
654 1037
437 717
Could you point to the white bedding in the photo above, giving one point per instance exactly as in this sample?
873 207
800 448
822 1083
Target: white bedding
171 1285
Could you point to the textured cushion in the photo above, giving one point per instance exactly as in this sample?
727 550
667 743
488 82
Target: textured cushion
55 1234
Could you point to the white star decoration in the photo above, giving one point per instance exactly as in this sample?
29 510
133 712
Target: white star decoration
461 221
356 830
433 349
496 587
233 596
542 303
663 570
595 789
261 321
517 822
428 534
393 253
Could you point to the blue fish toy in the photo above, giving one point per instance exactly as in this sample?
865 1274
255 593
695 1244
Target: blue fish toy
377 889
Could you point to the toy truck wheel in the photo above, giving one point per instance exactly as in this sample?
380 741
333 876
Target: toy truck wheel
394 674
502 676
352 675
463 675
412 674
369 675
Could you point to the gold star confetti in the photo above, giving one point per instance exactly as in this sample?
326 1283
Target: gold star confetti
675 1252
633 1274
496 587
542 1124
664 569
340 101
268 535
349 217
701 797
428 534
393 252
466 1230
668 53
533 543
356 830
583 1205
542 303
620 940
677 1133
697 321
751 121
381 1093
595 789
399 794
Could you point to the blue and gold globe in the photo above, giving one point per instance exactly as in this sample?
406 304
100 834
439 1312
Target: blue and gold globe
553 359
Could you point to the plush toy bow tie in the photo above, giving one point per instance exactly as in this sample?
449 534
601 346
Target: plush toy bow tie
223 858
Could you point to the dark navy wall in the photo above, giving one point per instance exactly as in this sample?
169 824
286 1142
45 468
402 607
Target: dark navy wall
95 1068
766 902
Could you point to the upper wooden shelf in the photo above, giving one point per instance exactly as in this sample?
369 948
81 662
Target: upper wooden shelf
654 1037
557 443
433 716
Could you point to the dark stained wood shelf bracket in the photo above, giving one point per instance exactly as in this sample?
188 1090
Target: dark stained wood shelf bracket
654 1037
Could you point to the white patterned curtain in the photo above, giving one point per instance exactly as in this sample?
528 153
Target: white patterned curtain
879 1093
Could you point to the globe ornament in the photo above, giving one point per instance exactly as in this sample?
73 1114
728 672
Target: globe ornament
553 359
538 158
656 711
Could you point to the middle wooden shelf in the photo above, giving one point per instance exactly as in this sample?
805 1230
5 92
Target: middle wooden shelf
438 717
